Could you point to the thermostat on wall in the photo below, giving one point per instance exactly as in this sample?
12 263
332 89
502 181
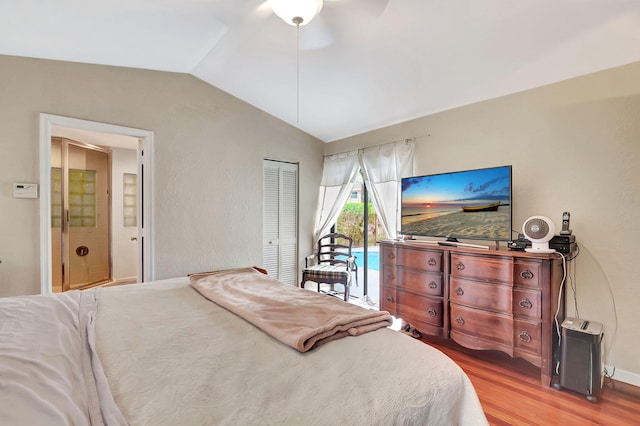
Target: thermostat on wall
25 190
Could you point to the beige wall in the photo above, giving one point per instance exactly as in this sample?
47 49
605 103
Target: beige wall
574 146
209 148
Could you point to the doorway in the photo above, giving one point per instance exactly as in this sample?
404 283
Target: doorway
138 141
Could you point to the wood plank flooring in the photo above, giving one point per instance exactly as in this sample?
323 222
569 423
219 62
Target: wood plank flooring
511 393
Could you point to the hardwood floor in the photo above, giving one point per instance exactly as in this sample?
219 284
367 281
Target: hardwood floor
511 393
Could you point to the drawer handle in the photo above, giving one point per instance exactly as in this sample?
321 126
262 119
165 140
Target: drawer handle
526 274
460 266
459 320
459 291
391 255
526 303
433 285
524 336
432 262
391 276
390 299
432 312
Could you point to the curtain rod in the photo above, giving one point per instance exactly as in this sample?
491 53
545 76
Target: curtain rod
405 140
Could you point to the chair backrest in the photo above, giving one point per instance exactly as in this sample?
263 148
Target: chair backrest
334 249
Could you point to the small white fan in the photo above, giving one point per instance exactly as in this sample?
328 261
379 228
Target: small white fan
539 230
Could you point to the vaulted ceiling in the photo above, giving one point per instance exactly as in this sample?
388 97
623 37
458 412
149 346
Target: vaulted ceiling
358 66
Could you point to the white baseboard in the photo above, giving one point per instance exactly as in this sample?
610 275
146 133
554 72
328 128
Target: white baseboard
624 376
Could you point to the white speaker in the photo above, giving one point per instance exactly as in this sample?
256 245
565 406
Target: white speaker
539 230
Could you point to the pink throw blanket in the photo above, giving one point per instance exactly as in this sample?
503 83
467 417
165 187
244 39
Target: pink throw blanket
300 318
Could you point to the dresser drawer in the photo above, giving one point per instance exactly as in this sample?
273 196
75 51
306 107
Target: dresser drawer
482 268
526 336
527 303
423 308
484 325
496 297
388 275
420 259
527 273
420 282
388 255
388 300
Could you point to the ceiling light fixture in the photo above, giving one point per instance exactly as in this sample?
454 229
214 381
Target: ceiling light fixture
296 12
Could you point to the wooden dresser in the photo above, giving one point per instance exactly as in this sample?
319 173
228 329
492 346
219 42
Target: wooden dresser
482 299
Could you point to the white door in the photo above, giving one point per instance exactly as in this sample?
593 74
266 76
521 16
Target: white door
144 256
280 220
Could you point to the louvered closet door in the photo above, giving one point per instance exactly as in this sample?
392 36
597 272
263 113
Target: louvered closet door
280 220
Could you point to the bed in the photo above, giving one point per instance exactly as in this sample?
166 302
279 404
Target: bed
162 353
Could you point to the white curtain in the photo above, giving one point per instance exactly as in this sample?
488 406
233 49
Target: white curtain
338 175
383 167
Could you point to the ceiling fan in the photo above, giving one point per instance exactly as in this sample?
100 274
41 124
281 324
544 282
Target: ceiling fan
327 20
332 19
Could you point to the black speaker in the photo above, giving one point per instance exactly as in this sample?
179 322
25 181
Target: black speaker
581 357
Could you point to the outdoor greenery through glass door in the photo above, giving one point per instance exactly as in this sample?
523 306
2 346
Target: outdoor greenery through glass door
352 222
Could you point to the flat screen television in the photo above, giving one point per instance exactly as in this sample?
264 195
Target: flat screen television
470 204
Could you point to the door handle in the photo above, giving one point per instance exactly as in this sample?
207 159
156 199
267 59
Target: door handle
134 238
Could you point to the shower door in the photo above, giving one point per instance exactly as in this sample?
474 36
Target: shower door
80 205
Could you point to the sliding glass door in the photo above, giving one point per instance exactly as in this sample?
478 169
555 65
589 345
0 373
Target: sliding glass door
357 216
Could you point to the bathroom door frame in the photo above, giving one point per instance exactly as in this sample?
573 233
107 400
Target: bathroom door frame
145 191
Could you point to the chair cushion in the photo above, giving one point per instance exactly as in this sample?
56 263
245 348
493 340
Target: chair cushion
328 271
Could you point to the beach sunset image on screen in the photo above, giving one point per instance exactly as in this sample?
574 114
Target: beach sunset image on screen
473 204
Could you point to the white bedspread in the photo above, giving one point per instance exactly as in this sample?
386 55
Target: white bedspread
173 357
49 373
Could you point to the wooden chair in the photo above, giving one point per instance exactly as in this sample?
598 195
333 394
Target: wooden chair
331 264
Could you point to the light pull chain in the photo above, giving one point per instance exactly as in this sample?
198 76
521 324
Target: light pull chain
298 73
297 20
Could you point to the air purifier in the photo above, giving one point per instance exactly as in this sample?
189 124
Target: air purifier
581 357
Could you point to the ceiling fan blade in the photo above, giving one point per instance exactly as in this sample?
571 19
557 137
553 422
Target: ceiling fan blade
358 9
262 11
347 19
316 35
